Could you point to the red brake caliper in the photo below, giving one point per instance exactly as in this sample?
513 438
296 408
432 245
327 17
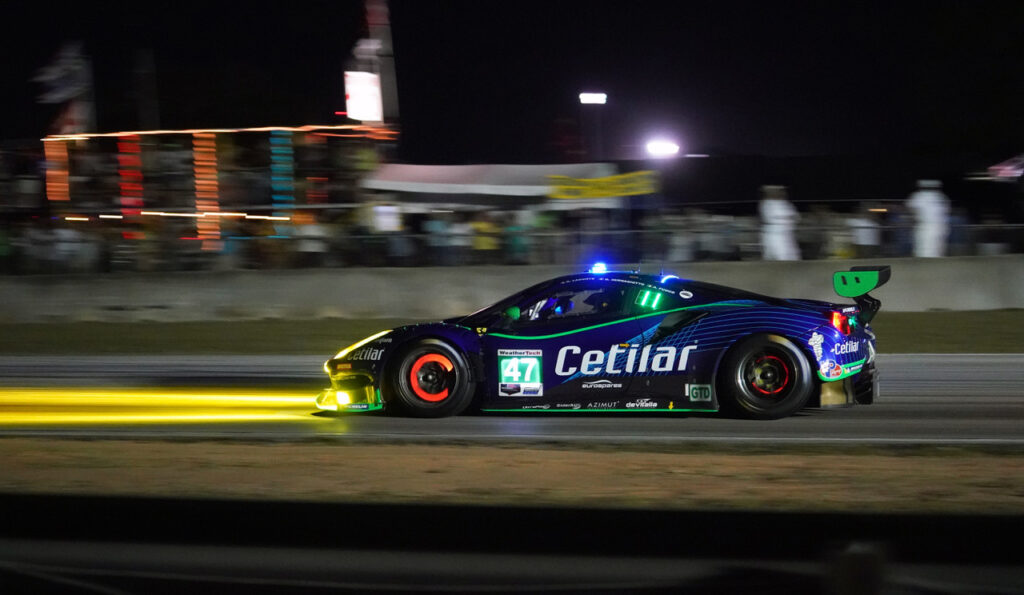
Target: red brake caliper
414 380
785 378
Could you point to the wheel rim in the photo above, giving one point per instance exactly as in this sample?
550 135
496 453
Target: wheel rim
431 376
767 374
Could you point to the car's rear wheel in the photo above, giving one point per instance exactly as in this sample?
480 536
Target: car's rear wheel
765 377
431 379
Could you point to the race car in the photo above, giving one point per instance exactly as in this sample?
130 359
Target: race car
607 341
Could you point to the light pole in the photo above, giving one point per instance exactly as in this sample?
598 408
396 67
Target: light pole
594 98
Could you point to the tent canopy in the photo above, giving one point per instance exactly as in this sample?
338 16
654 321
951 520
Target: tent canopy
478 184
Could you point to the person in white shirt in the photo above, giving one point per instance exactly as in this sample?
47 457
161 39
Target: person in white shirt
778 220
930 207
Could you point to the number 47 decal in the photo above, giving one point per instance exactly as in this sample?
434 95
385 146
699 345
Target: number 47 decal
520 369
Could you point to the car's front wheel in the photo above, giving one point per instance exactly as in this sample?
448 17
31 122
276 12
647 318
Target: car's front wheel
431 379
765 377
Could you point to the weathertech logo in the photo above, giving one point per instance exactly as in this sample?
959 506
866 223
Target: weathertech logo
601 384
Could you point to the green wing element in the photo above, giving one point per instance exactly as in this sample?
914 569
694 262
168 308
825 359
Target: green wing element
860 280
857 282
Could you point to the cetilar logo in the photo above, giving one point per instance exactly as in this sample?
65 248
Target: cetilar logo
667 358
601 384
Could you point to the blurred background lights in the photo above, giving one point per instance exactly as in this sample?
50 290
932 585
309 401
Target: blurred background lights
662 148
596 98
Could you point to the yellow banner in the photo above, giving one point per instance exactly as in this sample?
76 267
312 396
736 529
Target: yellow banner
633 183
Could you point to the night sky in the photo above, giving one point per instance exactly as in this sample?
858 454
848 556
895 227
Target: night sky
495 81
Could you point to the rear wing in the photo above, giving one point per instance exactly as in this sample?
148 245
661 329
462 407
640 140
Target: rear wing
857 282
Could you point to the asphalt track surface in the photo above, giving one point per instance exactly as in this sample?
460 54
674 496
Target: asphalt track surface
963 399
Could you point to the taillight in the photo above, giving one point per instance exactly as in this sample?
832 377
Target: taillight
841 322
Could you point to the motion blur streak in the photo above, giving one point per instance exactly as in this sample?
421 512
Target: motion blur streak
64 405
85 418
152 397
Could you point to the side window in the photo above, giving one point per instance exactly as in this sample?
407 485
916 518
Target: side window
573 303
646 300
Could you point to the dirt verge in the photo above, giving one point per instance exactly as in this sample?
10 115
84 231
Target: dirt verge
930 480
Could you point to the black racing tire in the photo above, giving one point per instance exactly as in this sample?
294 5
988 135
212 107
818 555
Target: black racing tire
430 378
764 377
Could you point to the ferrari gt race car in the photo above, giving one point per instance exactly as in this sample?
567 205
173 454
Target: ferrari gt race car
623 341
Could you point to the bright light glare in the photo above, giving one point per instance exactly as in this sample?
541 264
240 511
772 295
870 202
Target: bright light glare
599 268
662 148
595 98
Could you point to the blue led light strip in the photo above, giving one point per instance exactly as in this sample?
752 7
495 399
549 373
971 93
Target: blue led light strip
282 176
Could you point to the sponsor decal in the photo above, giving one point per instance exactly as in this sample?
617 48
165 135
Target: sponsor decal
568 406
830 369
384 340
510 389
522 368
537 407
572 359
815 343
602 405
365 354
850 310
685 294
601 384
357 406
671 404
847 347
340 367
642 404
520 352
698 392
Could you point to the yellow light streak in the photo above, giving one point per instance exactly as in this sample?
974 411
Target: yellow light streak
111 216
195 131
222 214
126 406
130 418
76 218
118 397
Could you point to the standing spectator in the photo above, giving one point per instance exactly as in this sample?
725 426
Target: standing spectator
778 219
439 240
461 240
485 240
930 207
866 236
517 246
311 241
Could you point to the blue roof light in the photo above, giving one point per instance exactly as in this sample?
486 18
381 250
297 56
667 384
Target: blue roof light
599 268
667 277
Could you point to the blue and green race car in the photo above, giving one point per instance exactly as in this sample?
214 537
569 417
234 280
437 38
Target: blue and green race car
627 342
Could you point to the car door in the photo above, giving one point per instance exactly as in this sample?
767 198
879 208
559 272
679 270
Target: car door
564 351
